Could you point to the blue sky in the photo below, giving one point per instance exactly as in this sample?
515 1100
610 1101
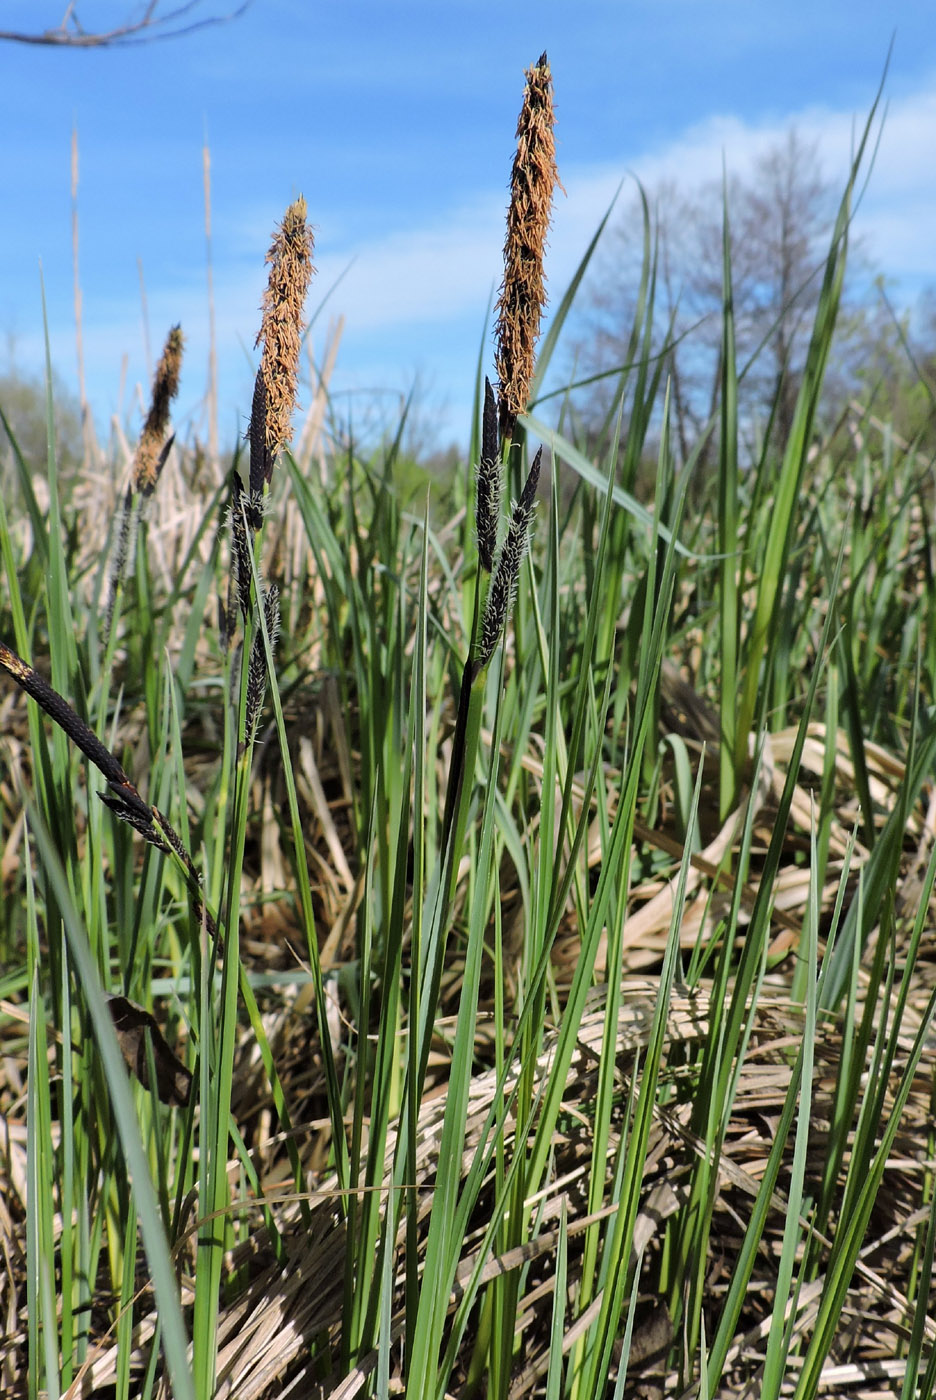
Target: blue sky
396 121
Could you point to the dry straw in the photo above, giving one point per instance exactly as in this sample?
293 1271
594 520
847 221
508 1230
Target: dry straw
522 296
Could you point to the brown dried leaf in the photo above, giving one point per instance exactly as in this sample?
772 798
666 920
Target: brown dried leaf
131 1022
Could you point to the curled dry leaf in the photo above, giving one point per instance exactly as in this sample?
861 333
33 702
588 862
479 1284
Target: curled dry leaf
131 1022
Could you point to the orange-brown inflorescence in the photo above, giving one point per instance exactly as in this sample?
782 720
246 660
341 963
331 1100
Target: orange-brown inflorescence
290 259
523 293
152 448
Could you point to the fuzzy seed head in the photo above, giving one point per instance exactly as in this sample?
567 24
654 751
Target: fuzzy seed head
290 259
152 449
523 293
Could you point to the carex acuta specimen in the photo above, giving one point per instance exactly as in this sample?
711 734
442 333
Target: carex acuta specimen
519 312
269 431
152 450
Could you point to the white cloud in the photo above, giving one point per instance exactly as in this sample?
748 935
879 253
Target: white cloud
446 269
897 214
408 296
427 274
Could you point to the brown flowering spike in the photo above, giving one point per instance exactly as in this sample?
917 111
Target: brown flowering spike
504 583
487 501
290 259
152 449
523 293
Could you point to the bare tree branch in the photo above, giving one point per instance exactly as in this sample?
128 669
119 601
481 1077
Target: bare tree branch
149 25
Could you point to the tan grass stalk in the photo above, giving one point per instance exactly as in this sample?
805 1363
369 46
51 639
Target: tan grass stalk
212 338
290 259
522 296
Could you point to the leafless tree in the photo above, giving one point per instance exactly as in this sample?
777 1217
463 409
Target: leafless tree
780 218
142 24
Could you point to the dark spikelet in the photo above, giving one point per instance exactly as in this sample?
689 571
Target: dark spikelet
523 293
504 583
58 708
496 610
487 506
127 797
257 672
240 544
141 823
527 501
255 507
123 799
261 458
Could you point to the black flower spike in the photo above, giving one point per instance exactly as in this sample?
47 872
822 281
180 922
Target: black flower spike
257 673
487 504
123 798
504 583
240 545
261 458
58 708
143 824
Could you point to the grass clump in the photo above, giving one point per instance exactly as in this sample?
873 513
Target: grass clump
525 975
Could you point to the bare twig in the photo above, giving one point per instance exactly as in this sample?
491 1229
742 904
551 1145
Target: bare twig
149 26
